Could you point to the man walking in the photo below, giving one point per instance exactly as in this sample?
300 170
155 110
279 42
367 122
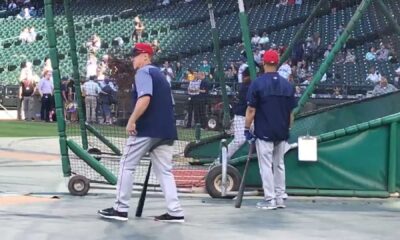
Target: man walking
151 127
270 103
26 91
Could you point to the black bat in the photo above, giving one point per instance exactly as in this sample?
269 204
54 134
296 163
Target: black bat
142 199
239 197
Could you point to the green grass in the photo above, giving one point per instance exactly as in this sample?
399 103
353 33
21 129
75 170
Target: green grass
41 129
27 129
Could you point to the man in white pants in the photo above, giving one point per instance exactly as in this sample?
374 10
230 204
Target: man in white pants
270 103
240 111
151 127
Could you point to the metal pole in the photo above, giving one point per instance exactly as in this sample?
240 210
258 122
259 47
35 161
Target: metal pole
75 67
393 148
244 25
301 31
51 38
389 15
220 68
224 164
331 57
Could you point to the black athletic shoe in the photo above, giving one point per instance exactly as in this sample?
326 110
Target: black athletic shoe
168 218
110 213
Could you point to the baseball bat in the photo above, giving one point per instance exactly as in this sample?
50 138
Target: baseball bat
142 199
239 198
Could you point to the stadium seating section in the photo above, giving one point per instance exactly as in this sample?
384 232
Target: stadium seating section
183 30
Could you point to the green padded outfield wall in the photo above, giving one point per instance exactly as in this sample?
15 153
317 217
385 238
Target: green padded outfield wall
318 122
347 163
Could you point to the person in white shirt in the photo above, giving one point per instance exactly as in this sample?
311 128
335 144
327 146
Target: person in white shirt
242 67
168 72
255 40
32 35
264 39
373 75
24 36
91 66
285 70
397 78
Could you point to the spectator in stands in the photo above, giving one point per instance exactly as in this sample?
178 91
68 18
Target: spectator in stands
190 75
94 44
392 54
397 78
290 2
243 66
194 101
340 57
301 71
339 31
46 90
298 2
156 46
26 91
229 75
282 3
138 31
205 67
32 35
383 87
371 55
328 50
11 6
168 72
179 72
24 14
298 52
91 90
309 50
264 41
373 75
383 53
285 70
335 4
350 57
255 40
24 36
91 66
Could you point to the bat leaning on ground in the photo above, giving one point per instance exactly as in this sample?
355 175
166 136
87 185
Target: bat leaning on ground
142 199
239 197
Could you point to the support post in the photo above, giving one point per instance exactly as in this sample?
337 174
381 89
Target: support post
75 67
340 42
393 144
244 25
301 31
51 38
218 59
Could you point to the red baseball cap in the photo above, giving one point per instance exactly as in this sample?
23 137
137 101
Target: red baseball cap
142 48
271 57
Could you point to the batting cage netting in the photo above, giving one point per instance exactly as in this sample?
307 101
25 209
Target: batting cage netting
199 120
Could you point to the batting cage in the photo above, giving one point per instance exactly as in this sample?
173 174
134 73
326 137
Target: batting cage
93 129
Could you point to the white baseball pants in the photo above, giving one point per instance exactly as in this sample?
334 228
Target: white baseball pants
238 139
161 157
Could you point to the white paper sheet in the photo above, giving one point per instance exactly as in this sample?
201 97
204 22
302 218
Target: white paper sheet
307 149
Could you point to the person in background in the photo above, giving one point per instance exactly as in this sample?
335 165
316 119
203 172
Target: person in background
32 35
240 112
285 70
371 55
26 91
350 57
383 87
24 36
106 100
168 72
383 53
191 75
205 67
203 98
92 91
397 78
47 65
179 71
138 30
373 76
91 66
46 90
193 101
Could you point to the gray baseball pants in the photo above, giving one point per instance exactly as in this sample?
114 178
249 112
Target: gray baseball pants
238 139
272 168
161 157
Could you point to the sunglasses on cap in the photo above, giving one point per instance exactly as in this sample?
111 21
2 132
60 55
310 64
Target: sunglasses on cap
136 52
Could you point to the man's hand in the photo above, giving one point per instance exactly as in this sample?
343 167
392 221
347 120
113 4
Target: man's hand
131 128
250 137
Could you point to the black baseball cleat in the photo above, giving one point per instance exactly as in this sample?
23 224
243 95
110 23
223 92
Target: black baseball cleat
168 218
111 213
